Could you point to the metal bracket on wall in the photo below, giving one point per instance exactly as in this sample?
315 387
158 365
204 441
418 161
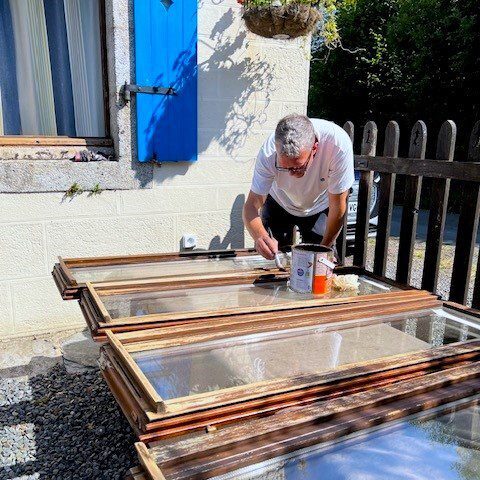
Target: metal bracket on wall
127 89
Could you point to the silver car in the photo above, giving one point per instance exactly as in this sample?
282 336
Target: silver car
352 209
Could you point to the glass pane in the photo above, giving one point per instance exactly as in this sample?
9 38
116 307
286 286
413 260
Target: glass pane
110 273
215 365
220 298
445 447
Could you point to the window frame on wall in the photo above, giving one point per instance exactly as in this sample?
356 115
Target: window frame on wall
74 141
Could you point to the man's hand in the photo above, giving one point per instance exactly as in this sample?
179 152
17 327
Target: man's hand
266 246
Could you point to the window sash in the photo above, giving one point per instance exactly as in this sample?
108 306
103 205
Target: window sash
102 112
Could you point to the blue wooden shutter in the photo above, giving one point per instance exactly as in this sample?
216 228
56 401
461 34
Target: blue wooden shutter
166 56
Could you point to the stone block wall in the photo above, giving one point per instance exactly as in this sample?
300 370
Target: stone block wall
246 84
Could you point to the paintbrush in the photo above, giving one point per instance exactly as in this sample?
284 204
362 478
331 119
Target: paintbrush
278 262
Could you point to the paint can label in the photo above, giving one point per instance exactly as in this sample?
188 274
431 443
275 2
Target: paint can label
311 271
301 277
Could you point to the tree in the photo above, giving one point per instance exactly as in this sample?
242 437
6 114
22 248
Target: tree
414 59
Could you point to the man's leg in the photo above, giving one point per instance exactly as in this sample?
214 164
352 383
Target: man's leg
312 228
279 221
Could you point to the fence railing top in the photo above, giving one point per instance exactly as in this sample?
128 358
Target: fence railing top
466 171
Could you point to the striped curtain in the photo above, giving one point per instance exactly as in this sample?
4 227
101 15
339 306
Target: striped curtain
53 83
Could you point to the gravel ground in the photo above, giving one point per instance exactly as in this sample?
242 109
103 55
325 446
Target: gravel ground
446 264
60 425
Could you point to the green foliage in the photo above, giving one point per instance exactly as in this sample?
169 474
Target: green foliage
418 59
74 190
96 190
329 30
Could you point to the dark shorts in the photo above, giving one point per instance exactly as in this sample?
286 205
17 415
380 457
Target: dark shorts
283 223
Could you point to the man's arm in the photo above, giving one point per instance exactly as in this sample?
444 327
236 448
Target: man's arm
337 207
264 244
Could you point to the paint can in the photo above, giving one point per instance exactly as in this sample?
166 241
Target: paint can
311 269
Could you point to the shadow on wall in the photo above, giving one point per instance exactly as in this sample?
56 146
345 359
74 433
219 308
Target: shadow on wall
228 119
243 77
235 237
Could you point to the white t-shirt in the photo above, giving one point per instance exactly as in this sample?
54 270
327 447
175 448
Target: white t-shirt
330 171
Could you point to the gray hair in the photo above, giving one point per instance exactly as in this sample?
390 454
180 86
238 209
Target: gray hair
293 135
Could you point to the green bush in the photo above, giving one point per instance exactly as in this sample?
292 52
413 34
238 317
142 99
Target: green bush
414 59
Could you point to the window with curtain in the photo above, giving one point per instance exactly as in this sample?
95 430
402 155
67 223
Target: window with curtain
51 74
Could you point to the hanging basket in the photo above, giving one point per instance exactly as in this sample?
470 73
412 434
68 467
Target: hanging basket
281 21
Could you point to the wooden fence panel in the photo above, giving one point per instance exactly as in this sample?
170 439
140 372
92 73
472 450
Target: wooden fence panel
385 200
369 146
438 208
458 170
350 129
476 288
467 230
342 238
413 186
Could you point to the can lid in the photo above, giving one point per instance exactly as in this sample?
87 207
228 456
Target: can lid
313 247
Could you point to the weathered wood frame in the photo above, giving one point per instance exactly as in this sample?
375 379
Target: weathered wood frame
154 419
99 319
289 430
223 327
70 289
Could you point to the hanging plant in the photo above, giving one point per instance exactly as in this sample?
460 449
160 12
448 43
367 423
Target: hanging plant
287 19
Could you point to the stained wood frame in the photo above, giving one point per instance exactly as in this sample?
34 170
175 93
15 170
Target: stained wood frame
99 319
221 451
205 329
155 419
70 289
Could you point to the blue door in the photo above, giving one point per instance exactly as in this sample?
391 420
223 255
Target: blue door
166 56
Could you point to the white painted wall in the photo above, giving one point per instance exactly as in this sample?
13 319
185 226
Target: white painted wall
246 84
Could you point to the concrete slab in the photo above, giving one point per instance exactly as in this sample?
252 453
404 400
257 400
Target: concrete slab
80 352
36 355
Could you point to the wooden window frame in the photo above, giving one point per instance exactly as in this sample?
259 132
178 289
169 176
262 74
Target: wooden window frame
204 329
66 141
234 447
154 418
334 381
70 289
99 319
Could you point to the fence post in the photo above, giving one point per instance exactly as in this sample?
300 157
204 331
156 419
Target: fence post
438 208
385 200
342 238
369 146
413 186
350 129
467 231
